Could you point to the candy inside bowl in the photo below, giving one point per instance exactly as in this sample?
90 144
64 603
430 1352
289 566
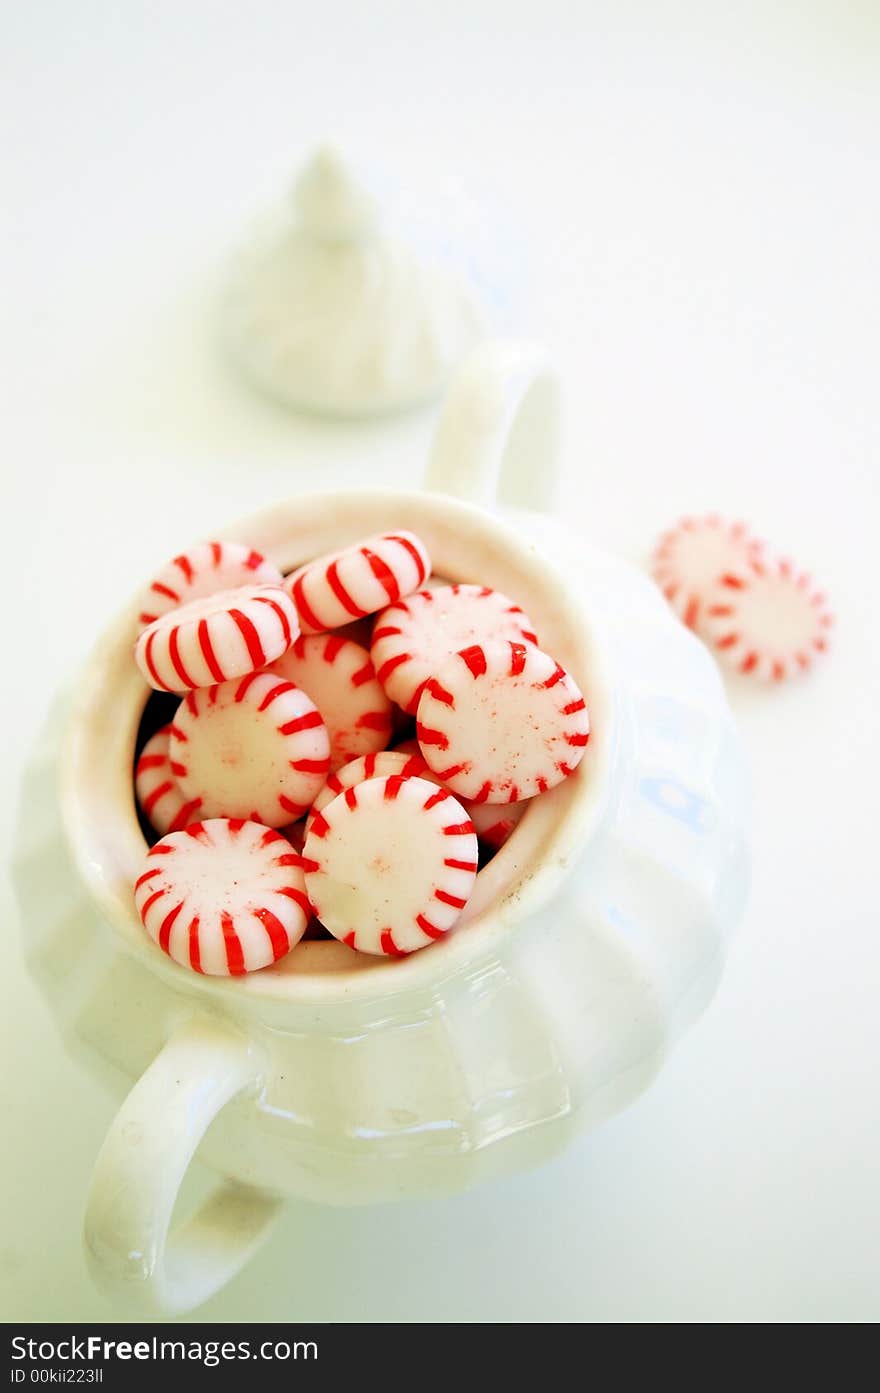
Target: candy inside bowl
588 941
297 532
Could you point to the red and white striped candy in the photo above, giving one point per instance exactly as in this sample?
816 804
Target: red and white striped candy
338 676
217 638
373 766
493 822
360 580
414 636
501 722
769 620
255 748
691 558
155 785
223 897
203 570
295 834
390 864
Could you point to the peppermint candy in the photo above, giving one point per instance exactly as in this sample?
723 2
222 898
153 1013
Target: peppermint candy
501 722
493 822
203 570
390 864
406 765
339 677
217 638
281 717
223 897
412 637
156 788
691 558
255 749
767 619
360 580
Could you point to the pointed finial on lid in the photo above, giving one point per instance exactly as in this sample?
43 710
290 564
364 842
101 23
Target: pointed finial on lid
329 313
332 205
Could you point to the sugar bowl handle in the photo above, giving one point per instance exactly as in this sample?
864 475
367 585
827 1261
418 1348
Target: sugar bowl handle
133 1256
497 439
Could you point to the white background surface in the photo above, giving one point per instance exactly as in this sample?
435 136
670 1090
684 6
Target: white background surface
697 188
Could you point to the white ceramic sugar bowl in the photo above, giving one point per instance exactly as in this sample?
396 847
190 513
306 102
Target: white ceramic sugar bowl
593 938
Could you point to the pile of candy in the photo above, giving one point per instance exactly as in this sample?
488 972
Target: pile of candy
760 614
278 804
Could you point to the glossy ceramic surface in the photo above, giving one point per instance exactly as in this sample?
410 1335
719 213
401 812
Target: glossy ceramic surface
595 936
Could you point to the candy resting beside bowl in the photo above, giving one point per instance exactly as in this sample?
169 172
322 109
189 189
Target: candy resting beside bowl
593 938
